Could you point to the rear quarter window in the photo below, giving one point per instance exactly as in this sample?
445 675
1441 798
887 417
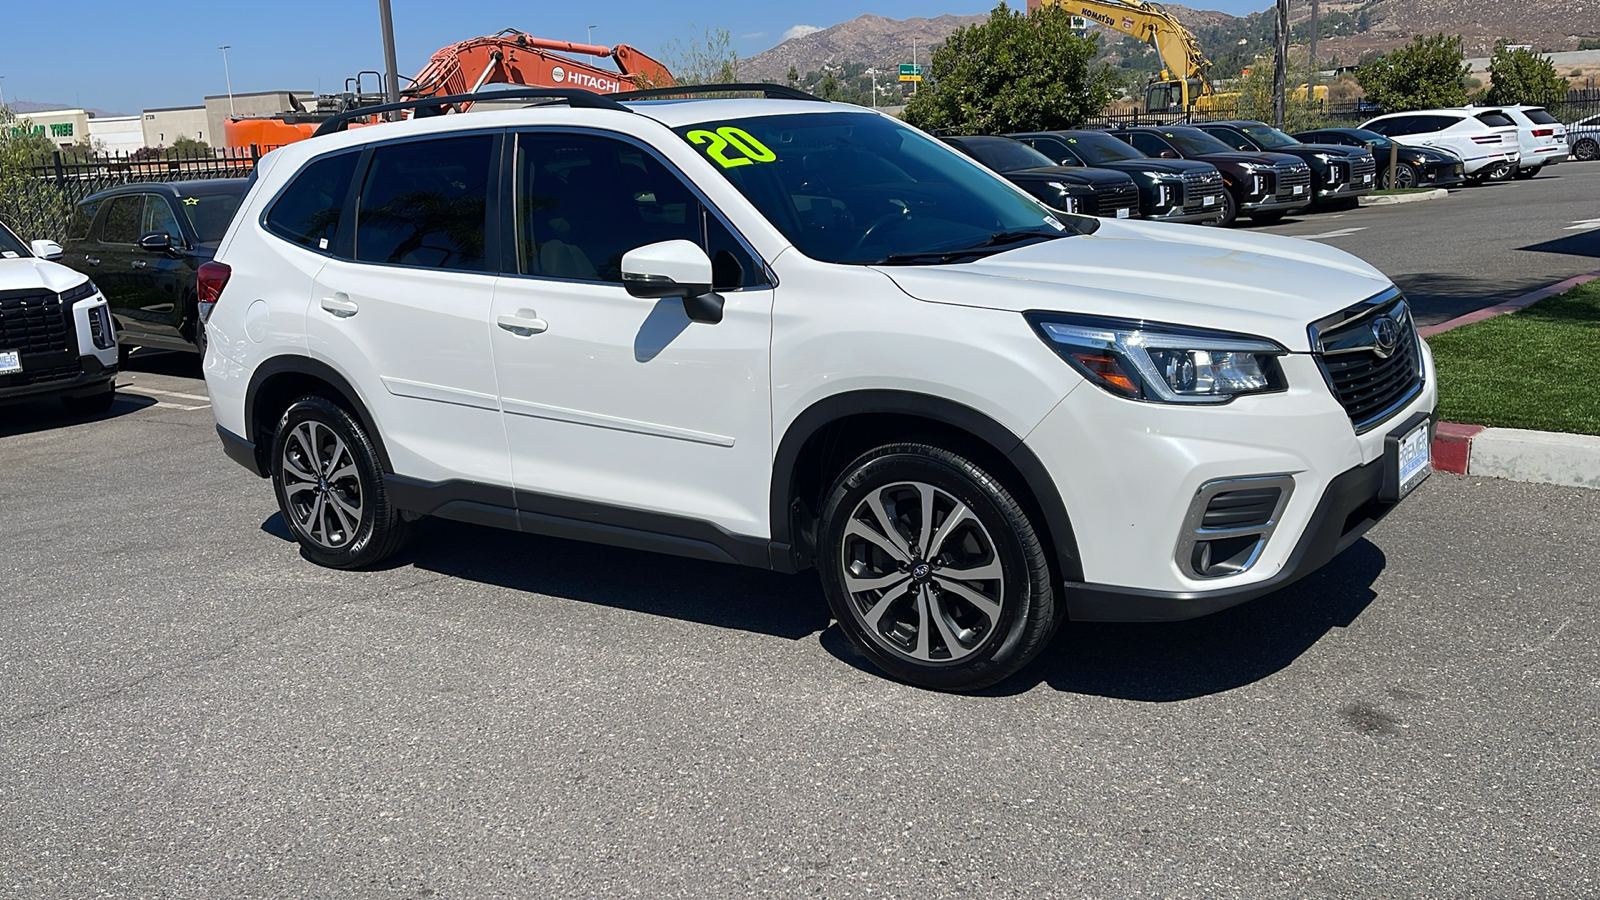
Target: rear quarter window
1496 120
1540 117
307 212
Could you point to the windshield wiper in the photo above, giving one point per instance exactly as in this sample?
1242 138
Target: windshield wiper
994 243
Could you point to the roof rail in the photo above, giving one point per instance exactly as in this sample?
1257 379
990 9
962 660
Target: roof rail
432 106
769 91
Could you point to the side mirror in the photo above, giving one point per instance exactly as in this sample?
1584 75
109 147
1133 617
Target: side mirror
1168 154
673 269
155 240
46 249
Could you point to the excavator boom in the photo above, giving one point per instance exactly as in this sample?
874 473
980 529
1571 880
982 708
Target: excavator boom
1180 54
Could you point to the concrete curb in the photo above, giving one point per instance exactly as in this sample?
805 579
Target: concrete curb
1510 306
1515 454
1392 199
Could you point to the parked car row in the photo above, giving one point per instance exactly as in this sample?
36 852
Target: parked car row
1494 142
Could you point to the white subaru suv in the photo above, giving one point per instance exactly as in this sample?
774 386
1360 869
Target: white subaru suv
787 333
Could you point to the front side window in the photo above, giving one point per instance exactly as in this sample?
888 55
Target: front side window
1149 144
122 220
158 217
307 212
863 189
82 217
1230 137
1194 142
425 203
1095 148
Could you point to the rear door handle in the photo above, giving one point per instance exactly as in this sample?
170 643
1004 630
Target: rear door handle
526 323
340 305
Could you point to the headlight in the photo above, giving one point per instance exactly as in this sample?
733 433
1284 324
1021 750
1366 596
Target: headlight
1162 363
1064 201
74 294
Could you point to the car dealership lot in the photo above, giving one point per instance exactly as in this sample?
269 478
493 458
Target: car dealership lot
194 710
1479 246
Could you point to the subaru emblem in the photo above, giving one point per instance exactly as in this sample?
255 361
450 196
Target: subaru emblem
1385 336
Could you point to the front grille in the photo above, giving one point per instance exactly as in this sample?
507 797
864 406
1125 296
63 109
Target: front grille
1360 167
1289 177
1371 387
1197 186
33 322
1108 198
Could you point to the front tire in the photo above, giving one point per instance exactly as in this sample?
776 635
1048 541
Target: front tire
1405 178
1229 213
329 484
934 570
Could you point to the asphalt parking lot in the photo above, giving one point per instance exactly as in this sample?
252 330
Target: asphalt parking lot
192 710
1480 246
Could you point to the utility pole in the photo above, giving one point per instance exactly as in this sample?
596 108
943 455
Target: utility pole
1311 81
228 76
590 39
914 84
1280 67
874 73
2 92
391 78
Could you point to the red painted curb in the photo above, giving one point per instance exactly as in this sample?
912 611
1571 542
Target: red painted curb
1510 306
1452 446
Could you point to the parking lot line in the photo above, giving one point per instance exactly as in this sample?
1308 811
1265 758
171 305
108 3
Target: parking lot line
161 393
1329 234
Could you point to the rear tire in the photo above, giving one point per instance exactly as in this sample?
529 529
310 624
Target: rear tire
329 484
94 404
1501 172
1586 150
933 570
1405 177
1525 174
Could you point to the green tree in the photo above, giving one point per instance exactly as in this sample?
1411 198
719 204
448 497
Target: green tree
794 76
1521 76
1019 71
33 207
1254 88
187 148
830 87
708 58
1426 73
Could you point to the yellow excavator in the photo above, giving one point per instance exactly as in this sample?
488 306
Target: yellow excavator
1183 85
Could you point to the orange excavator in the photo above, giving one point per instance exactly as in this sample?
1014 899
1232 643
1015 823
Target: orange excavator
509 57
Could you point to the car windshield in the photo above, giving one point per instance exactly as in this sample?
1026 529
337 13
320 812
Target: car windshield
1099 149
210 213
1006 155
1268 137
1194 142
861 188
11 246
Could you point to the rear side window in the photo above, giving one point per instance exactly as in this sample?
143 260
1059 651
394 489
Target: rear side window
1495 120
82 217
122 220
1540 117
307 212
425 203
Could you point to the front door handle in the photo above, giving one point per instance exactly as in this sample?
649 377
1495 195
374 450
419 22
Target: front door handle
92 260
526 323
139 264
340 305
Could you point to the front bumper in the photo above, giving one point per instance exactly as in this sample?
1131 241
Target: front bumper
1180 216
1272 204
92 379
1441 174
1346 190
1128 474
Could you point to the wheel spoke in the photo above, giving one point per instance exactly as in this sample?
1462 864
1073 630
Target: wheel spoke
315 523
984 604
299 488
349 527
858 529
925 527
951 640
875 503
924 638
874 615
334 458
957 516
856 584
343 472
986 572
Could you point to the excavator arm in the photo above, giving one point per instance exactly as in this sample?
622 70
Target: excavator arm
1181 59
511 57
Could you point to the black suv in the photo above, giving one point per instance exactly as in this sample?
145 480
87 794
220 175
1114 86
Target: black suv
1170 190
143 244
1089 192
1337 173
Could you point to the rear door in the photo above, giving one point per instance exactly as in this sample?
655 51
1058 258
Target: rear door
403 312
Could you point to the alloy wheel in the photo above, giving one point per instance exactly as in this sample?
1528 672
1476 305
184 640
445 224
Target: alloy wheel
322 485
922 573
1586 150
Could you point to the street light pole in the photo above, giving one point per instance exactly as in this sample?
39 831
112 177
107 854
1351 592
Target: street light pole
874 73
391 78
591 34
1280 67
227 75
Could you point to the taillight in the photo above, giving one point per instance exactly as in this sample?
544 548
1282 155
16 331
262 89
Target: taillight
210 280
1487 139
1543 132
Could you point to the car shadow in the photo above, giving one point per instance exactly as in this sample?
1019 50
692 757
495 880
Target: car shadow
1155 662
47 413
1436 297
724 596
176 363
1582 243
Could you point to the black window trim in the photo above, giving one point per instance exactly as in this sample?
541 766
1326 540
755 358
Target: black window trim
511 262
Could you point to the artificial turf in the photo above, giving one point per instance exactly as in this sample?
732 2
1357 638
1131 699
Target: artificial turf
1538 368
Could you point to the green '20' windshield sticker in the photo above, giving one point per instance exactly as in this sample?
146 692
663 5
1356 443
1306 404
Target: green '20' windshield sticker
717 145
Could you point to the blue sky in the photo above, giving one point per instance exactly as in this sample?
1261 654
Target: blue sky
125 57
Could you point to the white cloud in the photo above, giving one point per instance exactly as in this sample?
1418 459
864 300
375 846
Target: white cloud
800 31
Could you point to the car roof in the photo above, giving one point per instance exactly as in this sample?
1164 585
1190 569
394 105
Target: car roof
195 187
1237 123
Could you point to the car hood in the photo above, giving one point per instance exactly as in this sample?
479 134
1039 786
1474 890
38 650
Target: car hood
1265 157
1070 174
1179 274
1156 164
30 274
1425 154
1339 150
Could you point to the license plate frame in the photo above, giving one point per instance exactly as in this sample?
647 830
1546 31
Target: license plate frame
10 362
1407 457
1123 213
1209 201
1299 189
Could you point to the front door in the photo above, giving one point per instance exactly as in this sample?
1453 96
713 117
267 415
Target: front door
405 314
158 283
615 401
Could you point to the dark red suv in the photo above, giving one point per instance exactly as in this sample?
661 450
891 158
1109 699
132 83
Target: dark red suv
1263 186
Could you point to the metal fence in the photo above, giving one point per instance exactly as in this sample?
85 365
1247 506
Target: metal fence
63 178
